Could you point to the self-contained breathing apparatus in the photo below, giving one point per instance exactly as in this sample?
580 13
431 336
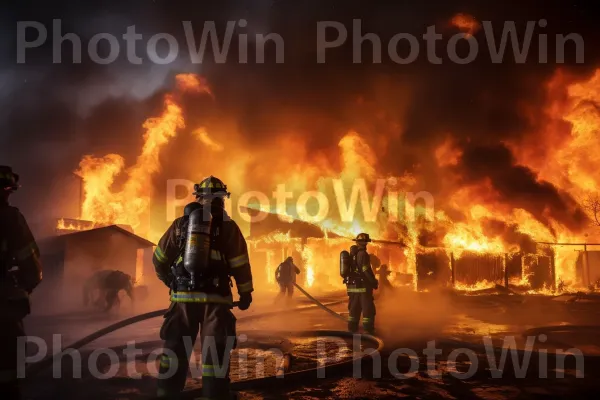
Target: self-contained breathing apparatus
197 268
349 269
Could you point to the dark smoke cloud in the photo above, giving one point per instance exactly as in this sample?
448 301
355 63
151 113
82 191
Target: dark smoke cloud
51 115
510 235
519 187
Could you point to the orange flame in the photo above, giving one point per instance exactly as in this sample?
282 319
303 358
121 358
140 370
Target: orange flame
466 23
130 205
116 195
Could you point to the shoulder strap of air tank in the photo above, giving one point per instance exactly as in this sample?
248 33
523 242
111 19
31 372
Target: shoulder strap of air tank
181 232
216 242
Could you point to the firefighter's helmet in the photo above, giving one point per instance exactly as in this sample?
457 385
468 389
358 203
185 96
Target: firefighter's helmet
211 186
362 238
289 259
9 181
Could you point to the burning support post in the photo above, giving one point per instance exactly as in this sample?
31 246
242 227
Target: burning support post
586 266
453 269
506 270
553 269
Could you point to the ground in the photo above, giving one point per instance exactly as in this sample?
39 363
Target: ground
405 320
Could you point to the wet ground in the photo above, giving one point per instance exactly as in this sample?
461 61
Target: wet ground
466 334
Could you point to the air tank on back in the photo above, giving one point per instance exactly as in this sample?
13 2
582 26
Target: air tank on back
196 256
345 264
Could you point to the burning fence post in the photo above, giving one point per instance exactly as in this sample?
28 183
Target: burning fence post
553 269
453 269
506 270
586 266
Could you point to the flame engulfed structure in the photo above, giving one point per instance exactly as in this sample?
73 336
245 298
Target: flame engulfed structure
488 223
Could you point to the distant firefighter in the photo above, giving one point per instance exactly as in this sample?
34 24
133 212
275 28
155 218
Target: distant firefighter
375 263
384 284
285 275
102 289
356 270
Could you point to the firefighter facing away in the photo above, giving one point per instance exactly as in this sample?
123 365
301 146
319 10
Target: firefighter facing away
20 273
355 268
107 284
285 275
196 258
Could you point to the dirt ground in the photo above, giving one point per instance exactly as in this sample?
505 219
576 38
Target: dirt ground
407 323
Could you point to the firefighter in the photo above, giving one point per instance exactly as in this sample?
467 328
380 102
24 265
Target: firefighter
196 258
285 275
384 283
20 273
108 283
360 286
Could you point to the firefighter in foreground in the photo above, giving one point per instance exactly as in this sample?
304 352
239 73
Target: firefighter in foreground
20 273
355 268
107 284
196 258
285 275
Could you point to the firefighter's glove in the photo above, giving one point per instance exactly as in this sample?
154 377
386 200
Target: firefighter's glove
245 301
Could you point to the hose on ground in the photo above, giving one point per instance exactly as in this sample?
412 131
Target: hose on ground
303 375
252 383
319 304
35 368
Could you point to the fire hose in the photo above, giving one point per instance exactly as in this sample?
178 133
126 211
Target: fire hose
283 376
35 368
282 369
319 304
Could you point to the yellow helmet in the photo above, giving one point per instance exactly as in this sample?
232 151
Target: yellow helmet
362 237
211 186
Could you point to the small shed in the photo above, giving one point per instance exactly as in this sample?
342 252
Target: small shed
71 258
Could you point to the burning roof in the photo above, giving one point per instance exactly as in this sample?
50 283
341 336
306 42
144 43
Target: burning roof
294 228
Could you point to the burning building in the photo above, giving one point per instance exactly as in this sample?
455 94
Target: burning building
503 152
479 233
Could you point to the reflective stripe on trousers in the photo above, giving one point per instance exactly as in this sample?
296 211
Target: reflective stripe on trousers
357 290
200 297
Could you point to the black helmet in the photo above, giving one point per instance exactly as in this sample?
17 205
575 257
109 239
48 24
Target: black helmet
362 238
9 181
211 186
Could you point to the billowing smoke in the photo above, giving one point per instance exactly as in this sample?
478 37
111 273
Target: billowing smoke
519 186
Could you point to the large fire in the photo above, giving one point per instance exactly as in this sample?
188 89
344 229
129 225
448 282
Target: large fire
488 225
130 204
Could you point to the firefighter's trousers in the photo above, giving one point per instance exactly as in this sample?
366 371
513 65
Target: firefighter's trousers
11 330
183 322
361 303
112 299
285 288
